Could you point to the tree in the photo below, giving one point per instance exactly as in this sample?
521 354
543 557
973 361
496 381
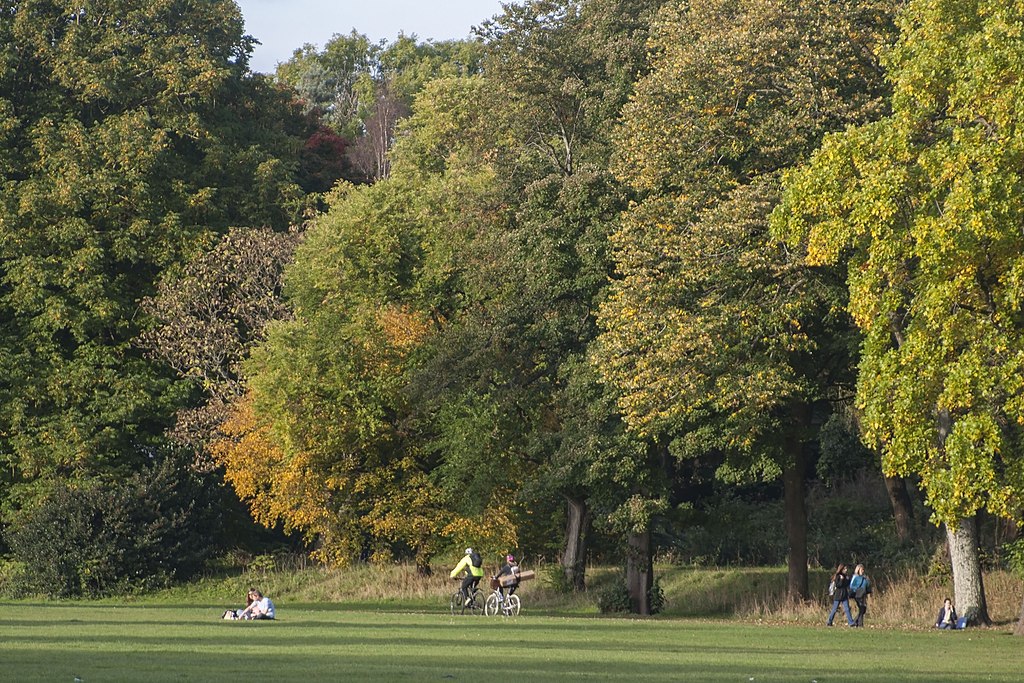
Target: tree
332 81
562 69
326 441
715 336
362 89
133 132
924 206
209 317
513 347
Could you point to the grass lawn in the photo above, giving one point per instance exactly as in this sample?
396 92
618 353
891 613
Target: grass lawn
99 643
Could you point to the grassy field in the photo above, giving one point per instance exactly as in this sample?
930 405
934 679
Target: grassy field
386 623
146 642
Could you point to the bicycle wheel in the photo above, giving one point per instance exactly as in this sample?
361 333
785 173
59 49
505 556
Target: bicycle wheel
512 606
492 605
456 603
476 605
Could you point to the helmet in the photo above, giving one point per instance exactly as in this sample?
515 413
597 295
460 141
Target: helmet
469 551
510 558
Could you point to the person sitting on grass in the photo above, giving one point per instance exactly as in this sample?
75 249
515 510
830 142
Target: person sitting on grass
261 607
947 616
233 614
473 565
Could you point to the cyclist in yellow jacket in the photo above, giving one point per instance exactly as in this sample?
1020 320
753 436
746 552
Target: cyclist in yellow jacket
473 564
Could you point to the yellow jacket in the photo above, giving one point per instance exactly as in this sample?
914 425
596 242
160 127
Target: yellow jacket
467 564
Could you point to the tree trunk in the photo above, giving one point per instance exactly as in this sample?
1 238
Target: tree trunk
639 572
574 558
968 586
902 507
794 495
1019 630
796 527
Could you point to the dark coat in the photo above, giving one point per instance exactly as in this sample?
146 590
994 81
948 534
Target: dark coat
942 613
842 587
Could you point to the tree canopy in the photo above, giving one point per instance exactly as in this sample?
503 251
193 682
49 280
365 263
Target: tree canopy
133 132
599 282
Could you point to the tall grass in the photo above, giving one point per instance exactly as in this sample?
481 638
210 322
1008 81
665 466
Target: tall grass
905 600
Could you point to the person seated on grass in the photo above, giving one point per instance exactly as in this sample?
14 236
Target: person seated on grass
473 565
261 607
510 568
233 614
947 616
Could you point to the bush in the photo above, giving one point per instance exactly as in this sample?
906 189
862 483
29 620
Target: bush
553 576
94 538
614 597
656 597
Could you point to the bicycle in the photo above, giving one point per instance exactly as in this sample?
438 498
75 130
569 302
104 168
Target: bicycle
475 605
508 605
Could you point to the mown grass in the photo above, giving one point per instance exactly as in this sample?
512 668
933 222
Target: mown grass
59 642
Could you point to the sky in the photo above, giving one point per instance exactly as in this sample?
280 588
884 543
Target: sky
284 25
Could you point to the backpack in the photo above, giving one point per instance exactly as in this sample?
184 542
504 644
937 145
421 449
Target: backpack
832 588
475 559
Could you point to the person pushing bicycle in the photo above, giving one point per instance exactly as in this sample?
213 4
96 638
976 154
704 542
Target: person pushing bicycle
473 565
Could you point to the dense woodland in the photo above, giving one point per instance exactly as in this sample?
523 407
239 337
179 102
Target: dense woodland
709 281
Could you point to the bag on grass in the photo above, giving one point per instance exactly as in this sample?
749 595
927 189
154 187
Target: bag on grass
230 615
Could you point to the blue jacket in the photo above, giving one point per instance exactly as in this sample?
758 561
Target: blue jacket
856 582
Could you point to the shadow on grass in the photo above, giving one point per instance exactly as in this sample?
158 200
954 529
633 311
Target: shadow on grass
449 663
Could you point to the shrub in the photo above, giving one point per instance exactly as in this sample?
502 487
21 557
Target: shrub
614 597
656 597
94 538
553 576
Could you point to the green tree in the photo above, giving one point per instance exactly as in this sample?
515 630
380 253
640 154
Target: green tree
715 336
925 207
363 89
133 132
345 455
513 351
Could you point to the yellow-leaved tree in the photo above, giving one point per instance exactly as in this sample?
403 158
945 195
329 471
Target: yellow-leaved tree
926 207
325 442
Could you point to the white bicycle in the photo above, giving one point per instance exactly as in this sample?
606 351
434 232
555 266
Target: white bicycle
507 606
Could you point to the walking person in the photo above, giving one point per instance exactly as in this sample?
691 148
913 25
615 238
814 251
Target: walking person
840 591
860 589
